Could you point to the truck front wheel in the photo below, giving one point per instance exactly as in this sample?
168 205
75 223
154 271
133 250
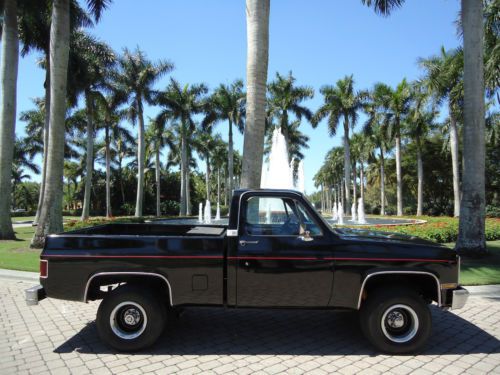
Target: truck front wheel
396 320
130 318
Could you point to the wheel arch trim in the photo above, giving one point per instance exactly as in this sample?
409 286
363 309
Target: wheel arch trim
379 273
147 274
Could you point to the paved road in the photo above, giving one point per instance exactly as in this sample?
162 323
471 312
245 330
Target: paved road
60 337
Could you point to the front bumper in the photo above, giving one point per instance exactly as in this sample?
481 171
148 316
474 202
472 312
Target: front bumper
459 298
34 295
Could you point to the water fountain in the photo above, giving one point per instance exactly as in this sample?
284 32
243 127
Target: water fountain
217 214
353 211
200 213
341 215
334 211
277 173
207 213
361 212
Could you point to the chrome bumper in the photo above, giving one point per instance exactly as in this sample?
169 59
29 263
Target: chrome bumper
34 295
460 296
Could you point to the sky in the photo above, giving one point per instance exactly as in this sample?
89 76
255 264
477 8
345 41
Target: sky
320 41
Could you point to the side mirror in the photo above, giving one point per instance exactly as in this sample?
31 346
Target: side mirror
306 237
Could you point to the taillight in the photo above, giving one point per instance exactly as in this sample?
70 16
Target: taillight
44 268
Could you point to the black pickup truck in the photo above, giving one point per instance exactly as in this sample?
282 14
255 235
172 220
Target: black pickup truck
276 252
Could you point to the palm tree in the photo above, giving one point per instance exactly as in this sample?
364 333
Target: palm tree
50 220
471 237
362 146
471 232
227 103
257 14
205 144
219 161
285 98
443 77
136 77
341 103
418 124
121 148
155 134
180 104
376 127
93 58
8 78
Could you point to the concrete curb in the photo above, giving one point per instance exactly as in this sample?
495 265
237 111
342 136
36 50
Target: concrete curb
19 275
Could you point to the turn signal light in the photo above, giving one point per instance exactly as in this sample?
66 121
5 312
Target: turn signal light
44 268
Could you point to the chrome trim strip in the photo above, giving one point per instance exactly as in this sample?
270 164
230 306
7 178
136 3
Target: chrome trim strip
400 272
232 233
128 273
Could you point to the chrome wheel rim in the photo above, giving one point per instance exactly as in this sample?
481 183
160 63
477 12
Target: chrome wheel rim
399 323
128 320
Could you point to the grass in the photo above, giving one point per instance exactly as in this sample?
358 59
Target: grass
16 255
20 219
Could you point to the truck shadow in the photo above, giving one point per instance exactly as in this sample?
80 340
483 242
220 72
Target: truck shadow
205 331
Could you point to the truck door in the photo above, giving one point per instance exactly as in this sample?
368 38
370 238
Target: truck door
283 257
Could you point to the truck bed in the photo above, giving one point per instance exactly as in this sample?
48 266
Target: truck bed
191 257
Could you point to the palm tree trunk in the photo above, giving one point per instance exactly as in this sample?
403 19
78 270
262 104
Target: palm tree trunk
8 79
45 141
141 154
382 182
90 156
120 175
183 176
230 159
257 12
158 182
362 181
51 215
108 172
347 168
207 175
354 189
420 185
454 162
188 190
471 233
218 185
399 178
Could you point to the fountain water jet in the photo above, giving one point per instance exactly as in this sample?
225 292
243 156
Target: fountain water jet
207 213
341 215
353 211
200 213
217 214
361 211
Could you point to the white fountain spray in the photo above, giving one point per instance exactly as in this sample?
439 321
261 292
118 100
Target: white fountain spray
217 214
277 174
353 211
207 213
200 213
334 211
341 214
361 211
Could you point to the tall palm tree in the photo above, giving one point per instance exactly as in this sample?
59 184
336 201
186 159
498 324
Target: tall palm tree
219 162
155 134
257 15
205 145
376 127
121 148
419 122
285 98
443 76
50 220
471 237
471 232
181 104
363 146
136 77
227 104
341 103
93 58
8 81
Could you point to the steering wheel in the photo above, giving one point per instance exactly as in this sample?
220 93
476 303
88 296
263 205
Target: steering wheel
291 226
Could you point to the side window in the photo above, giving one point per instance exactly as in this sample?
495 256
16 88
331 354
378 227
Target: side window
271 216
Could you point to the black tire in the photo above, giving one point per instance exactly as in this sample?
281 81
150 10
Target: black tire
396 320
131 318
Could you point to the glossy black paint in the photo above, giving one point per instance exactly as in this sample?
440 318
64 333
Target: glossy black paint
278 271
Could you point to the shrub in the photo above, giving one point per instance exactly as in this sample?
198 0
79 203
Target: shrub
492 211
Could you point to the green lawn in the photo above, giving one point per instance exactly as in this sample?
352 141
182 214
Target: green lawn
16 219
16 255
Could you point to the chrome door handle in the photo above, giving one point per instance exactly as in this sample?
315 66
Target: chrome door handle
243 242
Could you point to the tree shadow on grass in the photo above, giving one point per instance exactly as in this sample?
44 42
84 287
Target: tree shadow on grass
205 331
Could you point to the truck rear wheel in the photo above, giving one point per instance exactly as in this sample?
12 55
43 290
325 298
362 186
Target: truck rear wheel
130 318
396 320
